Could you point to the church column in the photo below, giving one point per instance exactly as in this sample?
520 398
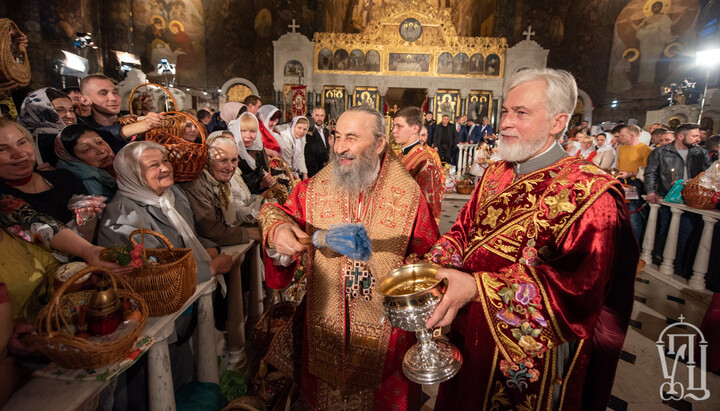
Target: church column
431 99
381 99
463 101
350 90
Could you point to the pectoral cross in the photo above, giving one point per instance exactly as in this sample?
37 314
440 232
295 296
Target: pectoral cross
527 33
293 26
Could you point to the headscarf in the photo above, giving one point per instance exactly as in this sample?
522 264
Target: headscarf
298 162
269 137
221 189
82 170
38 115
230 110
133 186
234 128
608 144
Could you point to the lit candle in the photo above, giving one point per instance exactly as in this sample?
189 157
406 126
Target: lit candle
672 174
716 170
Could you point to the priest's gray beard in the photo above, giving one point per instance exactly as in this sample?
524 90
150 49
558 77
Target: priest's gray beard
523 149
359 176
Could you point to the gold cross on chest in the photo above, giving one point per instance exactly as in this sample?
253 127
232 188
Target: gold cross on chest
393 207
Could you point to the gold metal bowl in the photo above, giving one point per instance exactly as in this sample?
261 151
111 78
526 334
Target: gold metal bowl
412 285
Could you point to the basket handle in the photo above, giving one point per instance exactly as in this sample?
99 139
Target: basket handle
132 94
164 239
197 124
54 305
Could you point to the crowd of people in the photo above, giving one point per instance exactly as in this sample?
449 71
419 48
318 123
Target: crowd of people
531 286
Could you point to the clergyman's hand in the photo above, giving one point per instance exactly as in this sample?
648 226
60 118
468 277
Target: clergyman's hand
286 238
461 290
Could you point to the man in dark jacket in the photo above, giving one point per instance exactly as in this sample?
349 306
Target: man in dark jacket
316 145
681 159
445 139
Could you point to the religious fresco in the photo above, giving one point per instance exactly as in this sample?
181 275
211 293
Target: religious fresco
445 63
372 61
477 64
366 96
460 64
325 60
172 30
649 40
492 65
447 103
357 60
238 92
294 68
479 105
409 62
341 60
410 29
334 100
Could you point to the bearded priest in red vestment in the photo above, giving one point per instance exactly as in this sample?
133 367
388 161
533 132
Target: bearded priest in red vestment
417 158
351 358
541 265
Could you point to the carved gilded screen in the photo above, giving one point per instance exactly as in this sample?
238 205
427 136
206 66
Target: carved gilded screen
334 100
238 92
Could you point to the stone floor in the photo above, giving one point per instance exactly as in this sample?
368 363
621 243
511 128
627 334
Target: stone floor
659 301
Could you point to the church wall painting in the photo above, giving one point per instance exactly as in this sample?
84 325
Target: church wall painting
477 64
372 61
366 96
650 40
294 68
174 30
492 65
479 105
409 62
341 59
460 64
445 63
447 103
334 100
325 60
357 60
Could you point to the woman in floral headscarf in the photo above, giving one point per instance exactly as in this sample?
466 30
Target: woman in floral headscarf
45 113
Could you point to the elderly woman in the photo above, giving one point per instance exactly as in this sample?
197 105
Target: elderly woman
212 196
586 151
44 113
82 151
605 153
147 196
46 191
293 145
253 161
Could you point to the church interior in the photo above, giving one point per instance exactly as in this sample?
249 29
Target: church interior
636 62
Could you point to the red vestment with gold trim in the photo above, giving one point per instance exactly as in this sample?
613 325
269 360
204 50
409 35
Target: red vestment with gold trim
554 260
351 357
422 167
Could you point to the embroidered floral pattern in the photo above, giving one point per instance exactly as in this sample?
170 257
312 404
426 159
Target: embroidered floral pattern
520 373
445 254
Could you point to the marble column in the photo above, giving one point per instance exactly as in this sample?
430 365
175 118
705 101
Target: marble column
668 267
649 239
207 364
700 267
160 382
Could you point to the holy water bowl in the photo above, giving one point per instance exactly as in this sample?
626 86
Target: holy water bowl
410 295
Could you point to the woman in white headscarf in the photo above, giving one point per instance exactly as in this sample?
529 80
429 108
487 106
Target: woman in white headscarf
147 195
605 156
271 140
253 161
293 152
219 197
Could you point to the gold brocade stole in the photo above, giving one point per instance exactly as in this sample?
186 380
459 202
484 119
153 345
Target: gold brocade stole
416 155
357 358
537 206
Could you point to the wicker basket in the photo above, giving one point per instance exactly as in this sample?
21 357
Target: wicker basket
464 188
165 287
14 62
70 351
280 313
697 196
187 158
132 118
